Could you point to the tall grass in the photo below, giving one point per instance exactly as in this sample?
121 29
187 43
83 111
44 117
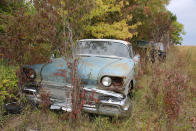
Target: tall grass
189 54
164 99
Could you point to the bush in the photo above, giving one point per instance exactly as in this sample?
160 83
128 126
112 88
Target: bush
8 83
164 90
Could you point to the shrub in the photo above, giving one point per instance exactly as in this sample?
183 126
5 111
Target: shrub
166 89
8 83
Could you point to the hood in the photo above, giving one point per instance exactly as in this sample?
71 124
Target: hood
91 69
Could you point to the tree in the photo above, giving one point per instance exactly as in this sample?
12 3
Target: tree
156 20
107 20
36 30
176 32
28 35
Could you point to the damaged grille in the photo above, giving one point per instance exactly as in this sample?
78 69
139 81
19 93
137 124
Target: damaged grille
107 98
60 96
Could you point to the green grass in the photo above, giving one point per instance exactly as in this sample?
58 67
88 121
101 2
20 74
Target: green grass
148 111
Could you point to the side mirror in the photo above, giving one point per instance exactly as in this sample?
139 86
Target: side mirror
136 58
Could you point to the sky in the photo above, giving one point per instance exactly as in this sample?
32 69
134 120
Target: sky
185 11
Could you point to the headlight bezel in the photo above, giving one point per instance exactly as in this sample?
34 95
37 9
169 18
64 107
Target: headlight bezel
116 81
107 79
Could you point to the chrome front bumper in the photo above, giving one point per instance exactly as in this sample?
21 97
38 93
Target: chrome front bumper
115 104
109 107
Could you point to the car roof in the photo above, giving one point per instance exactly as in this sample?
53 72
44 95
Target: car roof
112 40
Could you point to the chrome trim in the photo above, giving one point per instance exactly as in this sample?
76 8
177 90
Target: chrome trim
111 108
111 40
110 102
118 107
127 44
30 89
67 109
55 107
104 92
107 56
89 106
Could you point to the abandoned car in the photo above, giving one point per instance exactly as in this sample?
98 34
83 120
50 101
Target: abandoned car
106 68
155 49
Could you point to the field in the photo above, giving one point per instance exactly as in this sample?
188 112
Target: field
190 56
164 99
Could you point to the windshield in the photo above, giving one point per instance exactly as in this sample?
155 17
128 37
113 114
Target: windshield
102 48
158 46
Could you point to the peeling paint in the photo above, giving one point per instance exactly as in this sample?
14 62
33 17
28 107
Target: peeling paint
107 100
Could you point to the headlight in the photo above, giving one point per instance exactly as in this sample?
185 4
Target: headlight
106 81
32 76
30 73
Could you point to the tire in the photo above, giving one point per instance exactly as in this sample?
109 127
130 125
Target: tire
12 108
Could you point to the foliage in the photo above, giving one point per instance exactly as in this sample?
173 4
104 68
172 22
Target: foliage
45 100
177 30
157 22
7 7
8 83
33 33
72 13
27 36
107 20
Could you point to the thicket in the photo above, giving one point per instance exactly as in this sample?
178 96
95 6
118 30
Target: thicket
8 84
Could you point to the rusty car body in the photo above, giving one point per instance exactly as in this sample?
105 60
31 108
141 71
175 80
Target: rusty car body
105 66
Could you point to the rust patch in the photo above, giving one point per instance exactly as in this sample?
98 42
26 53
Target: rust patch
118 89
60 72
117 81
60 65
116 76
122 66
88 64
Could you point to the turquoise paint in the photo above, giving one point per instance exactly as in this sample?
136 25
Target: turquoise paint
90 69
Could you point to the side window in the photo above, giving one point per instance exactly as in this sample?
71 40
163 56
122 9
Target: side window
131 53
